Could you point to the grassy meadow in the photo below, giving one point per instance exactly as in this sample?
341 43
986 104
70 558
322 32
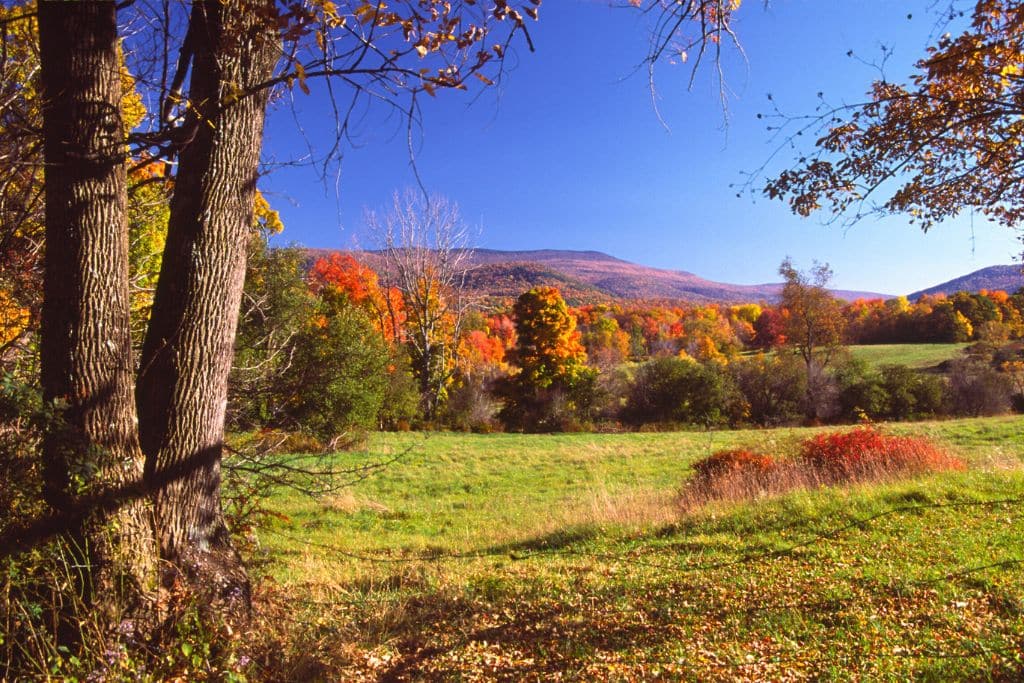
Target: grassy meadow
917 356
475 557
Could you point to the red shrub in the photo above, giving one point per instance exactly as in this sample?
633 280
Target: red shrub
861 454
739 461
841 451
738 474
865 453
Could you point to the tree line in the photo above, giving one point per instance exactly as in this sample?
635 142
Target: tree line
336 348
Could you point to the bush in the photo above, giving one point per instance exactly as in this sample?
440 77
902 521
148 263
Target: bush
338 377
863 454
277 304
566 405
401 402
21 430
738 462
861 394
737 474
471 406
672 390
866 453
910 393
728 463
821 401
976 388
773 388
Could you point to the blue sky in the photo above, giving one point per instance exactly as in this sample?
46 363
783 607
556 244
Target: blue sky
568 152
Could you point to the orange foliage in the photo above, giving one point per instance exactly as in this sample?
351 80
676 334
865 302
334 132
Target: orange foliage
480 353
342 275
548 346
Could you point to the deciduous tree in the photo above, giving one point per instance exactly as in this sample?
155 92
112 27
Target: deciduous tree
425 248
814 325
553 381
946 141
92 456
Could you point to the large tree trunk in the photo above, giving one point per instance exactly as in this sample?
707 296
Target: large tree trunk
86 357
187 354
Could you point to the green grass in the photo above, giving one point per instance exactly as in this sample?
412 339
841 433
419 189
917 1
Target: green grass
489 556
919 356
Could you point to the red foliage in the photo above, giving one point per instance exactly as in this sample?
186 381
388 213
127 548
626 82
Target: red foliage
769 329
346 274
865 452
502 327
733 462
479 352
342 274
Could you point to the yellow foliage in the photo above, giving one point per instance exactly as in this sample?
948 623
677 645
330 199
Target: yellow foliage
13 318
132 108
268 221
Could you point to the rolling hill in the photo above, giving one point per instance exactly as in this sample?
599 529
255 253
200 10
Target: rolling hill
592 276
1007 278
620 279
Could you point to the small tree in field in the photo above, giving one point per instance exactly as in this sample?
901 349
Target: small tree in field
814 326
554 381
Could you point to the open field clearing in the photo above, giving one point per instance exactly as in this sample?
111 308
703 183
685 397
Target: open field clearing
542 557
918 356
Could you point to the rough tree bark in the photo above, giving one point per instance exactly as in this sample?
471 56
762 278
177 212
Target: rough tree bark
187 354
86 352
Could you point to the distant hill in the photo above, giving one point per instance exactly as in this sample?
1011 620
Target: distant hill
507 280
624 280
592 277
1007 278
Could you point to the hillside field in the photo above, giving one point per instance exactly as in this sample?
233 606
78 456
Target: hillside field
476 557
919 356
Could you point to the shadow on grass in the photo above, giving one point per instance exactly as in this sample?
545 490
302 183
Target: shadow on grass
558 539
535 631
535 638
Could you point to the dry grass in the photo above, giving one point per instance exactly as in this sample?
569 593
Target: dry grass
630 509
348 503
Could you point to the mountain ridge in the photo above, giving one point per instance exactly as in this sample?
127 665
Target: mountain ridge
592 276
1008 278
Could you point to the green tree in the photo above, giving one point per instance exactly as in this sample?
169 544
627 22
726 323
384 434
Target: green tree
773 387
675 390
277 304
338 376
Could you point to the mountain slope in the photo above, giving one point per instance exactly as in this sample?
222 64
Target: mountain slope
1007 278
625 280
591 277
507 280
